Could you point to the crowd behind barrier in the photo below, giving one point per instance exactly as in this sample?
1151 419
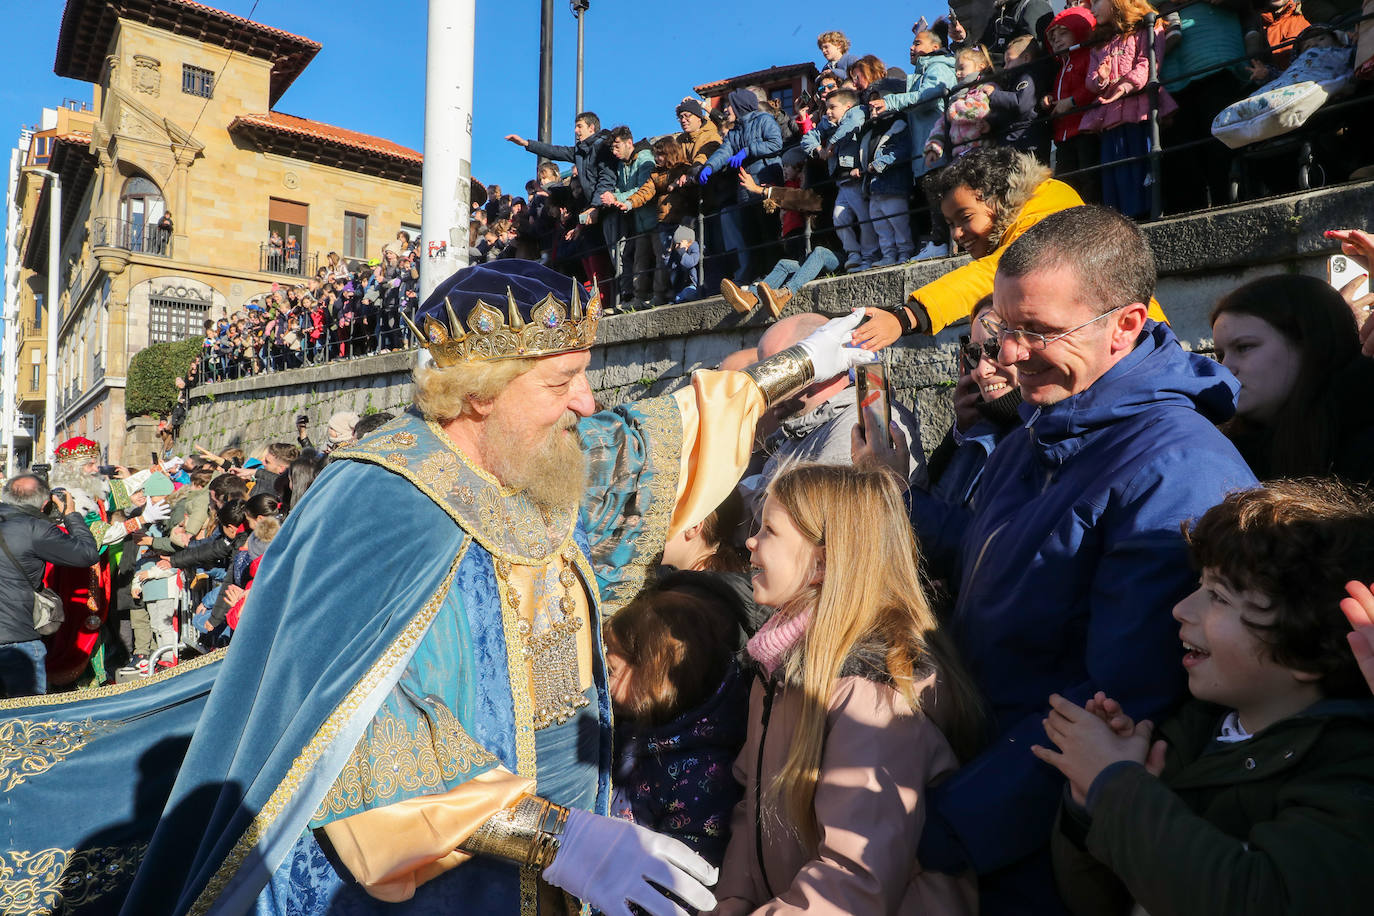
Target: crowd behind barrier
754 202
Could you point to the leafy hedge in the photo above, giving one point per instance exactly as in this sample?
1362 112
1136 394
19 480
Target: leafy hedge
151 389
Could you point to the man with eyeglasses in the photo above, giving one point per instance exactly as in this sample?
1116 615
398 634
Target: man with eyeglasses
1072 558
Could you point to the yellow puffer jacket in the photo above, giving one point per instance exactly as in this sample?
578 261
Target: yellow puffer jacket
951 297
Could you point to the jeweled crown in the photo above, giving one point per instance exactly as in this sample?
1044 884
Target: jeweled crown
489 333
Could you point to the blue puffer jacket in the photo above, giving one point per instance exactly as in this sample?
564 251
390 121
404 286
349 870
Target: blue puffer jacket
1068 570
843 138
884 149
931 79
755 131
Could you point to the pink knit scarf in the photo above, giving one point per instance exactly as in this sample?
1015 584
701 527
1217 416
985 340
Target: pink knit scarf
775 638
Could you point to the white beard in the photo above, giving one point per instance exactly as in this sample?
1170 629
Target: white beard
88 490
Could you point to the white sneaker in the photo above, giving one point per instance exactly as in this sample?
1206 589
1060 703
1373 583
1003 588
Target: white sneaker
932 250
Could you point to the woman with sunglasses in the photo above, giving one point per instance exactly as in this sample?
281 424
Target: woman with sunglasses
986 402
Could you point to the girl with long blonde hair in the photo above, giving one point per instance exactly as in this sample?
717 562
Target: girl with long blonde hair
852 676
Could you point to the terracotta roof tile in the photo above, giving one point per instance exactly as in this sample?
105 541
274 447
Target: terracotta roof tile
246 23
318 130
784 70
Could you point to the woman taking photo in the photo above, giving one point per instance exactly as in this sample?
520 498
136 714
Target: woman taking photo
1304 407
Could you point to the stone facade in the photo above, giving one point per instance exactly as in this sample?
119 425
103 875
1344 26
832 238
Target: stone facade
154 131
648 353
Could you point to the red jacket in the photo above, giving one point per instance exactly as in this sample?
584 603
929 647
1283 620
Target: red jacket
1073 69
1072 84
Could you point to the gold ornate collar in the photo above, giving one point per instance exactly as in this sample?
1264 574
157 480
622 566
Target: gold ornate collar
506 522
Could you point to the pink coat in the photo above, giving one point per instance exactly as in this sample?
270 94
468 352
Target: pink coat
879 757
1121 96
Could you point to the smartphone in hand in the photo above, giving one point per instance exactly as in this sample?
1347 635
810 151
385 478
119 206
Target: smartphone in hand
1341 269
874 396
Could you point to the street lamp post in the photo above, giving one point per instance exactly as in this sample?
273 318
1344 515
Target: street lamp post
579 8
54 258
546 71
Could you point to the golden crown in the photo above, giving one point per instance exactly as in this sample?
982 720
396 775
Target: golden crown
553 327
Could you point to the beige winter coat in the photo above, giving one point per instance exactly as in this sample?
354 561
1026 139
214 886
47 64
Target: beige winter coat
879 757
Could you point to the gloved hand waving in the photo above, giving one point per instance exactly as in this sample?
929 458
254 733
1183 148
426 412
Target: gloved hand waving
831 349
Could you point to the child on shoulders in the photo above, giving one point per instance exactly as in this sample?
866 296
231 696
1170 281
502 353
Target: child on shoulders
1259 797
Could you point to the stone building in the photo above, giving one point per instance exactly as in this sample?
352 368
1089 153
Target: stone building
69 124
182 125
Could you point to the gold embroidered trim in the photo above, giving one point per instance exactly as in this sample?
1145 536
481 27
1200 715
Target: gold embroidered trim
301 766
391 758
29 748
505 522
517 670
57 881
92 693
663 436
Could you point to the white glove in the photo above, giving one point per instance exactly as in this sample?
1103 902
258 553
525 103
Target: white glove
831 349
155 511
609 864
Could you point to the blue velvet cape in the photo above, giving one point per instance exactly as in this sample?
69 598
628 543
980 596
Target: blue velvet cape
364 566
376 552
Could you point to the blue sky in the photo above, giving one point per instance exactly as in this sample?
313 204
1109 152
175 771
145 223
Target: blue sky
641 58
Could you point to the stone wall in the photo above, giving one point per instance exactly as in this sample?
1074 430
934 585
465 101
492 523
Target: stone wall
648 353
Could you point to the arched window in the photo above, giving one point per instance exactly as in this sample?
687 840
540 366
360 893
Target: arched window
140 207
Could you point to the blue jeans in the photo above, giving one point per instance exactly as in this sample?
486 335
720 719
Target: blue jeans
794 276
22 672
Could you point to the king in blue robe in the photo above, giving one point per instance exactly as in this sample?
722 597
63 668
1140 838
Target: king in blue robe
416 697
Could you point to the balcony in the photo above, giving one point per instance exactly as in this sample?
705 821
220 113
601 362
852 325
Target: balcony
273 260
139 237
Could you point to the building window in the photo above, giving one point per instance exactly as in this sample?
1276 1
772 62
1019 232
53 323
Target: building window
38 311
140 208
355 236
284 250
784 98
197 81
35 370
172 316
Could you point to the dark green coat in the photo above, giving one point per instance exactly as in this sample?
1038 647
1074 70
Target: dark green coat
1282 823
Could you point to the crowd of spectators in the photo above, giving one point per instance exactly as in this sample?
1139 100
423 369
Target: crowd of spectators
180 542
347 309
755 201
989 679
659 219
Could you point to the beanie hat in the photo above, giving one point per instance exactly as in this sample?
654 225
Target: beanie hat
692 106
684 234
1079 20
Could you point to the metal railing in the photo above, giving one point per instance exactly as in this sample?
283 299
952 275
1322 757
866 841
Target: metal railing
275 260
344 336
145 238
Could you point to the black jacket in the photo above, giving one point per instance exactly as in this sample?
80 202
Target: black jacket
34 540
596 167
216 550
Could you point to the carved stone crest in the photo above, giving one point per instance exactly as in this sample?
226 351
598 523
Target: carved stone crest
147 74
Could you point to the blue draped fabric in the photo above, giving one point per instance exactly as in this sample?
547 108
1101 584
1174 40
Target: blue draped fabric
376 604
85 777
